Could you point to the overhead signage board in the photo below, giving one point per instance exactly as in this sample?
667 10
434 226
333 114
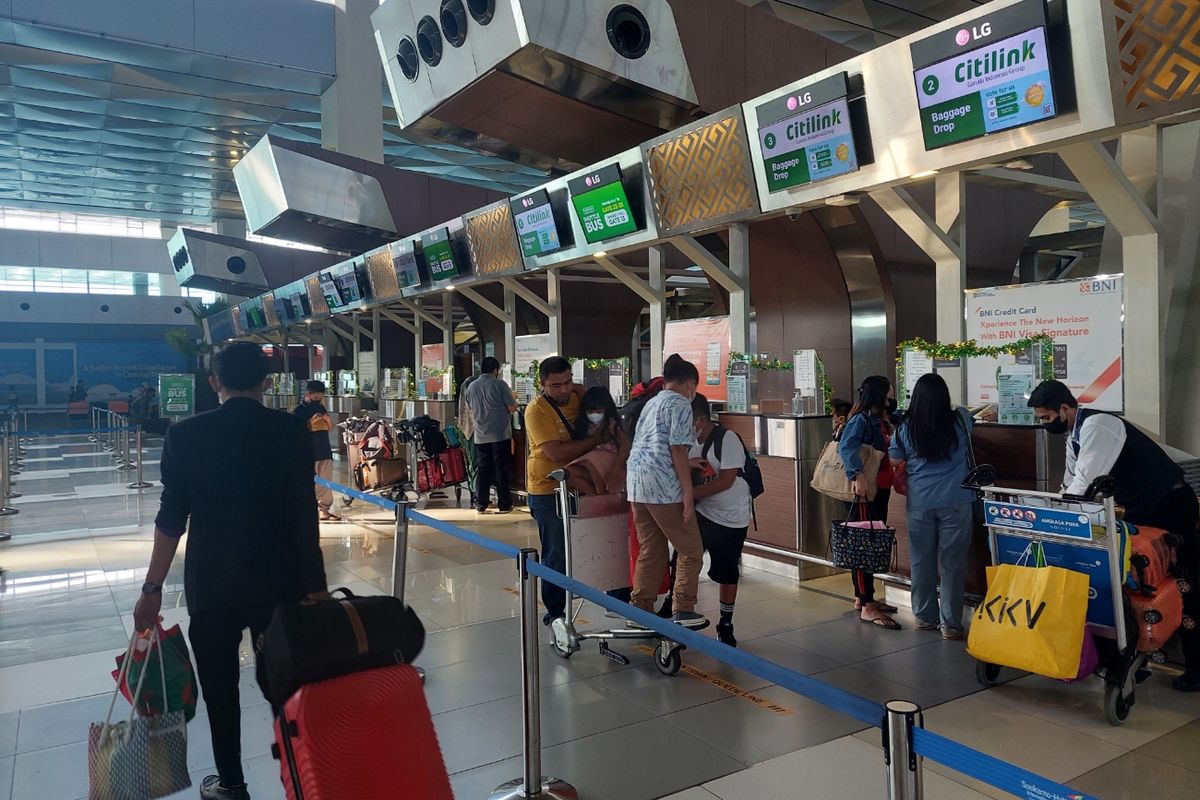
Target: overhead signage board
807 136
991 75
404 259
439 255
602 205
329 291
350 282
536 228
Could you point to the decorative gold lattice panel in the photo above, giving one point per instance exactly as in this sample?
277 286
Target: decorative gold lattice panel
493 241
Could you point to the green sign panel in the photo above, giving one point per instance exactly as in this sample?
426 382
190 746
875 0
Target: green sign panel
177 395
601 205
439 255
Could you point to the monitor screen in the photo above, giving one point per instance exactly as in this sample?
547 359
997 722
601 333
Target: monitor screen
601 205
300 306
812 145
349 286
404 259
984 78
535 223
439 255
282 310
329 291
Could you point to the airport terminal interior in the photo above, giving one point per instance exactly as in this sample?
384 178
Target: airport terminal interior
836 222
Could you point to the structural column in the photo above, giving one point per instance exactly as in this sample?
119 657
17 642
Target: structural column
658 310
554 300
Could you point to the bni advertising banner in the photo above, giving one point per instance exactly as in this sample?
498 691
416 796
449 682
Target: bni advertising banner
705 343
1083 316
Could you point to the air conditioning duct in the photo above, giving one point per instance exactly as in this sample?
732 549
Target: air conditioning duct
554 84
235 266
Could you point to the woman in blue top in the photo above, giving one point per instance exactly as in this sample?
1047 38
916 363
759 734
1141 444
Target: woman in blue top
934 439
870 423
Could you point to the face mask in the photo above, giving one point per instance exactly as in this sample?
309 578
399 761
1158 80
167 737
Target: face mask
595 418
1057 425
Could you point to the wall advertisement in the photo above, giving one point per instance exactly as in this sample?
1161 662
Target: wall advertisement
705 343
1085 317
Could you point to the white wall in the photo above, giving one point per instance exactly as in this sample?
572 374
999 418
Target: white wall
85 309
83 251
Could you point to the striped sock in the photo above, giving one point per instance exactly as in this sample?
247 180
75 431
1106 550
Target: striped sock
726 613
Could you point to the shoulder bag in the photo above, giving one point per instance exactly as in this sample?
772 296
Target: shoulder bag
829 475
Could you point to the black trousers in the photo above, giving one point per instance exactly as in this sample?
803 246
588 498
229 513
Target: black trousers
492 464
1178 513
877 511
216 637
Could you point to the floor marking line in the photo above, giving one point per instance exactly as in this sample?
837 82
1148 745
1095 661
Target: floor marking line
732 688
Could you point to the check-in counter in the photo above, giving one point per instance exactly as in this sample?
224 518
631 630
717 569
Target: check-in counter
444 411
347 406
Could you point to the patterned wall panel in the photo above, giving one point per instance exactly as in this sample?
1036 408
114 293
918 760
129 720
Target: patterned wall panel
239 328
702 176
495 249
382 274
316 299
268 304
1159 43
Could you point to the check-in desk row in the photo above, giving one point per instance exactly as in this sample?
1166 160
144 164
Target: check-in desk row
794 521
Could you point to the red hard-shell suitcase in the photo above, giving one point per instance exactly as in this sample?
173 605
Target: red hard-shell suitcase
366 736
1157 615
454 466
1152 555
429 475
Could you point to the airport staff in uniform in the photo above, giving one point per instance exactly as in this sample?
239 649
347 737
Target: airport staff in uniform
1149 486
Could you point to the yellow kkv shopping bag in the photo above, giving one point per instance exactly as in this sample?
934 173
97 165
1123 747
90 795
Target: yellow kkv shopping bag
1032 619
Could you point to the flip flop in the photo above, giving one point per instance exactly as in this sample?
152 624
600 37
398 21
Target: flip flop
887 623
884 607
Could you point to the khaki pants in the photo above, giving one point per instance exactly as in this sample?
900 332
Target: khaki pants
324 493
656 526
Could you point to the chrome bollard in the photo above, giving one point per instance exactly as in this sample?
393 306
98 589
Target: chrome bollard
904 766
400 558
140 483
532 784
5 485
126 458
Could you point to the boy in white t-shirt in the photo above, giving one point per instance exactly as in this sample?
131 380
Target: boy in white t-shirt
722 506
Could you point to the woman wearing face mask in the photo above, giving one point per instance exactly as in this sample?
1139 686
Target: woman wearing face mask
870 423
601 470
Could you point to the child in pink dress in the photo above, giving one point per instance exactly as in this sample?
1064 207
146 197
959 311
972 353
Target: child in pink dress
602 469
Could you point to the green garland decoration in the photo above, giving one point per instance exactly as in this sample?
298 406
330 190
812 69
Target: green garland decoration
826 386
767 364
972 349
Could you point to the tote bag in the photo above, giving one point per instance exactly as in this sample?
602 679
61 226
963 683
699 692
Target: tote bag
829 476
863 544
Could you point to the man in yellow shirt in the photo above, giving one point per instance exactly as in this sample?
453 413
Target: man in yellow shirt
549 430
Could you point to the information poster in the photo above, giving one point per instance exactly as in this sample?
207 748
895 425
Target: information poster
916 365
804 370
433 361
987 77
1083 316
439 255
616 382
705 343
177 395
738 389
1014 385
535 347
536 228
601 205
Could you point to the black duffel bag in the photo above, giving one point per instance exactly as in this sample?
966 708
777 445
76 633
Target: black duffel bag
309 642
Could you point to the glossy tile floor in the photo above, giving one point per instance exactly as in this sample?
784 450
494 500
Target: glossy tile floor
82 540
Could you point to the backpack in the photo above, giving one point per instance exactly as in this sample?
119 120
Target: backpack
428 435
631 412
750 472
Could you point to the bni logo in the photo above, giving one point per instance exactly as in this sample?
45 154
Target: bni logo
1098 286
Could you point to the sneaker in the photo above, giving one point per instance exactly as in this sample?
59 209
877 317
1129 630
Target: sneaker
689 619
922 625
951 634
211 789
1187 682
504 511
666 611
725 635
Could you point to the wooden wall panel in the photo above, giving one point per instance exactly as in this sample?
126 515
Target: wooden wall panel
777 509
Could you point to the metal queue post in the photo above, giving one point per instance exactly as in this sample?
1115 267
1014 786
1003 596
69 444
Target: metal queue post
141 482
905 768
400 556
6 493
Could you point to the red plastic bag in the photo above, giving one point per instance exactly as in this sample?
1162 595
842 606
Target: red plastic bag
182 692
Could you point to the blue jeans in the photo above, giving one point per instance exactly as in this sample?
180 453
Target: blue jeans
938 540
544 508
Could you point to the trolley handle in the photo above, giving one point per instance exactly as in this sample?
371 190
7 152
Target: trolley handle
1101 487
980 477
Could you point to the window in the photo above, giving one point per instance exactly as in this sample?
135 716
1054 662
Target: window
203 295
27 219
79 281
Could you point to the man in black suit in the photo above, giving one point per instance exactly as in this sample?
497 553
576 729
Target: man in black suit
241 474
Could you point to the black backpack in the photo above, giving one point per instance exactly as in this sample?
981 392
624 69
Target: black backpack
750 472
631 412
428 434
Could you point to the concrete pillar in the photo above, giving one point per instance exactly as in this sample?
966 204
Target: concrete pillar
352 108
658 310
950 271
739 299
554 299
510 325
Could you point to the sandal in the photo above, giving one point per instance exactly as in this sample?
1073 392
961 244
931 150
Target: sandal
887 623
884 607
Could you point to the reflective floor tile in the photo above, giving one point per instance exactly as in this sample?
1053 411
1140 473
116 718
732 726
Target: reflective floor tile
59 773
467 643
874 687
6 777
46 682
639 762
764 732
937 667
848 641
479 782
662 694
8 733
839 770
696 793
1180 747
65 723
1136 775
258 734
776 650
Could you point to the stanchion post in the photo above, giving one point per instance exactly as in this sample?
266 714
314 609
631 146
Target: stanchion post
140 483
904 766
532 784
400 557
126 458
10 469
5 509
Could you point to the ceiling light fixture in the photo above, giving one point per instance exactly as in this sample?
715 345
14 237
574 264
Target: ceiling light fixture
929 173
1018 163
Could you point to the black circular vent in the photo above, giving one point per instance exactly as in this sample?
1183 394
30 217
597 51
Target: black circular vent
454 22
24 306
429 41
104 308
236 265
482 11
406 57
628 31
178 309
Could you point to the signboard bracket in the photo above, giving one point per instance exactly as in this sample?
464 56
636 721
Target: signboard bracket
399 320
713 267
487 305
626 276
422 314
529 296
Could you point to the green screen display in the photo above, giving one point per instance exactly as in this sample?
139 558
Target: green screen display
439 255
602 206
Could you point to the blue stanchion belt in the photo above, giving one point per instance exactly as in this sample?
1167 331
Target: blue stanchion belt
66 432
991 770
959 757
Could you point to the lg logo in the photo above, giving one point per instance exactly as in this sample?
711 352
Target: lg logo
799 100
965 37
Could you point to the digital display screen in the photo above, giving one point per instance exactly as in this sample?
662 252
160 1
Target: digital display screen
439 255
404 259
998 85
253 315
349 286
300 306
329 291
810 146
536 228
282 310
601 205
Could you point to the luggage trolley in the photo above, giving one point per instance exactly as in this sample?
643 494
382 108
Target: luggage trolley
600 558
1080 533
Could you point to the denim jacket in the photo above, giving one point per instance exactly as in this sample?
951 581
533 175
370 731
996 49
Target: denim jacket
859 430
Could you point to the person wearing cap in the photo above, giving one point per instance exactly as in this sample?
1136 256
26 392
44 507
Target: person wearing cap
312 410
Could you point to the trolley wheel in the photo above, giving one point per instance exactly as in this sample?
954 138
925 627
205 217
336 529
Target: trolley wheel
1153 616
987 674
347 500
1189 623
1117 705
1184 585
458 495
668 659
1159 657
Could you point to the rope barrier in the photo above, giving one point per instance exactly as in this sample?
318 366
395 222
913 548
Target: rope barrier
66 432
373 499
501 548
